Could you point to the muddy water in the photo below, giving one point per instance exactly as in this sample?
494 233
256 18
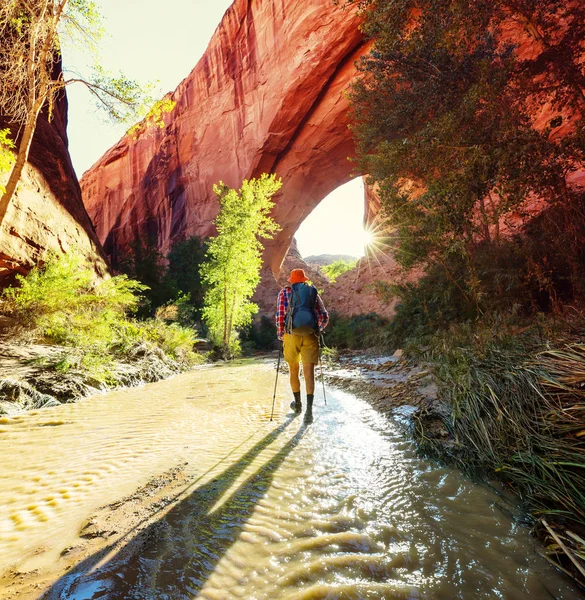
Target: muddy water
337 508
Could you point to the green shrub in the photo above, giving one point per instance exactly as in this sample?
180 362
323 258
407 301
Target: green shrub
337 268
64 304
260 335
359 332
174 340
61 302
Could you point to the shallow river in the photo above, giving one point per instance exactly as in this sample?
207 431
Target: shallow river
338 508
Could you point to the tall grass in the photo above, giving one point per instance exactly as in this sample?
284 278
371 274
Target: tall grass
516 411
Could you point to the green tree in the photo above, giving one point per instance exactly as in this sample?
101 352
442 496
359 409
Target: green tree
31 78
6 158
235 257
443 120
337 268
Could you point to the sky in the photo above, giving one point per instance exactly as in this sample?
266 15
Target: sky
335 226
148 40
153 41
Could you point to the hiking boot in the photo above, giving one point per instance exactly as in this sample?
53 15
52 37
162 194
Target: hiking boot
296 404
309 411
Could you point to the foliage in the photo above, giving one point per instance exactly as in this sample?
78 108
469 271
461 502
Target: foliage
184 272
360 332
154 117
259 335
528 273
61 302
337 268
6 156
145 263
31 49
513 417
175 281
444 124
234 257
173 339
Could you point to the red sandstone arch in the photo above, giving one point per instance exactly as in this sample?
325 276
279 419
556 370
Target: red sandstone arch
267 96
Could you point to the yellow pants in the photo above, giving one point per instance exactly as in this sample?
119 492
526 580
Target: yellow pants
301 347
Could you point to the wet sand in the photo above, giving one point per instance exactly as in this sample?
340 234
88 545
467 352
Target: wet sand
186 489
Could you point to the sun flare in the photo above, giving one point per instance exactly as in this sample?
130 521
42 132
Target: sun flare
368 238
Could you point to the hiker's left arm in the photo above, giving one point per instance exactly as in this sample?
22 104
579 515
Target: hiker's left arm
322 314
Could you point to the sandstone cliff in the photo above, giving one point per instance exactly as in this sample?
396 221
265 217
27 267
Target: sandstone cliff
267 96
46 213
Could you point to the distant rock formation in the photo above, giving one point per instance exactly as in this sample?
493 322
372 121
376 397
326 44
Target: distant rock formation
355 292
269 287
267 96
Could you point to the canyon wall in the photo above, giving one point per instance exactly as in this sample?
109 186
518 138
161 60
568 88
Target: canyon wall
267 96
46 213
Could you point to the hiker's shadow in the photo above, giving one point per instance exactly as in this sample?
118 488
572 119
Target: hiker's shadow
174 556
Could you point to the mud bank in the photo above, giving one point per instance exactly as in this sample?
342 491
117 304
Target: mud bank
31 377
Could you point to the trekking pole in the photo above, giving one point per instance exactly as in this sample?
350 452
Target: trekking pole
276 382
321 344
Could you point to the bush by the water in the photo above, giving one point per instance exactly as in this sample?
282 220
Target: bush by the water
259 335
515 393
61 302
359 332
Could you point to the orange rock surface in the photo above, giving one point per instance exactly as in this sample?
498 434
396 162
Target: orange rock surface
267 96
46 213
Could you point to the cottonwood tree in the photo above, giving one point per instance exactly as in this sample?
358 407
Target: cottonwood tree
235 257
31 78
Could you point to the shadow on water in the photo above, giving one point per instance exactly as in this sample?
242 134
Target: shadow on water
174 556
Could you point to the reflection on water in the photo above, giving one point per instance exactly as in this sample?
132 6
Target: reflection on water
340 508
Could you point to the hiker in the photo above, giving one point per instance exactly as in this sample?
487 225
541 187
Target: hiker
300 318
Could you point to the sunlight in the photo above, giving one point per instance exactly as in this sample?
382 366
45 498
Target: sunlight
368 239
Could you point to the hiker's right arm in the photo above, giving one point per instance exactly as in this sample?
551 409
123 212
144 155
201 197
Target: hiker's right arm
281 307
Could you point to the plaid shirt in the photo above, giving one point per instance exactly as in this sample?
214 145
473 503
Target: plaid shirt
282 308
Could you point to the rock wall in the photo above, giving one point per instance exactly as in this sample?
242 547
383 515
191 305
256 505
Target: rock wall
267 96
46 213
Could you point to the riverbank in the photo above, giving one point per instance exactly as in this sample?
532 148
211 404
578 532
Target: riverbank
443 427
35 376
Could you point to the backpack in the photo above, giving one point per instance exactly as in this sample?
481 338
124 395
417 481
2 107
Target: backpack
300 318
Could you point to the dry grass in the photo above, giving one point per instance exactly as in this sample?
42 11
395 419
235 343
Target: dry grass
523 421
